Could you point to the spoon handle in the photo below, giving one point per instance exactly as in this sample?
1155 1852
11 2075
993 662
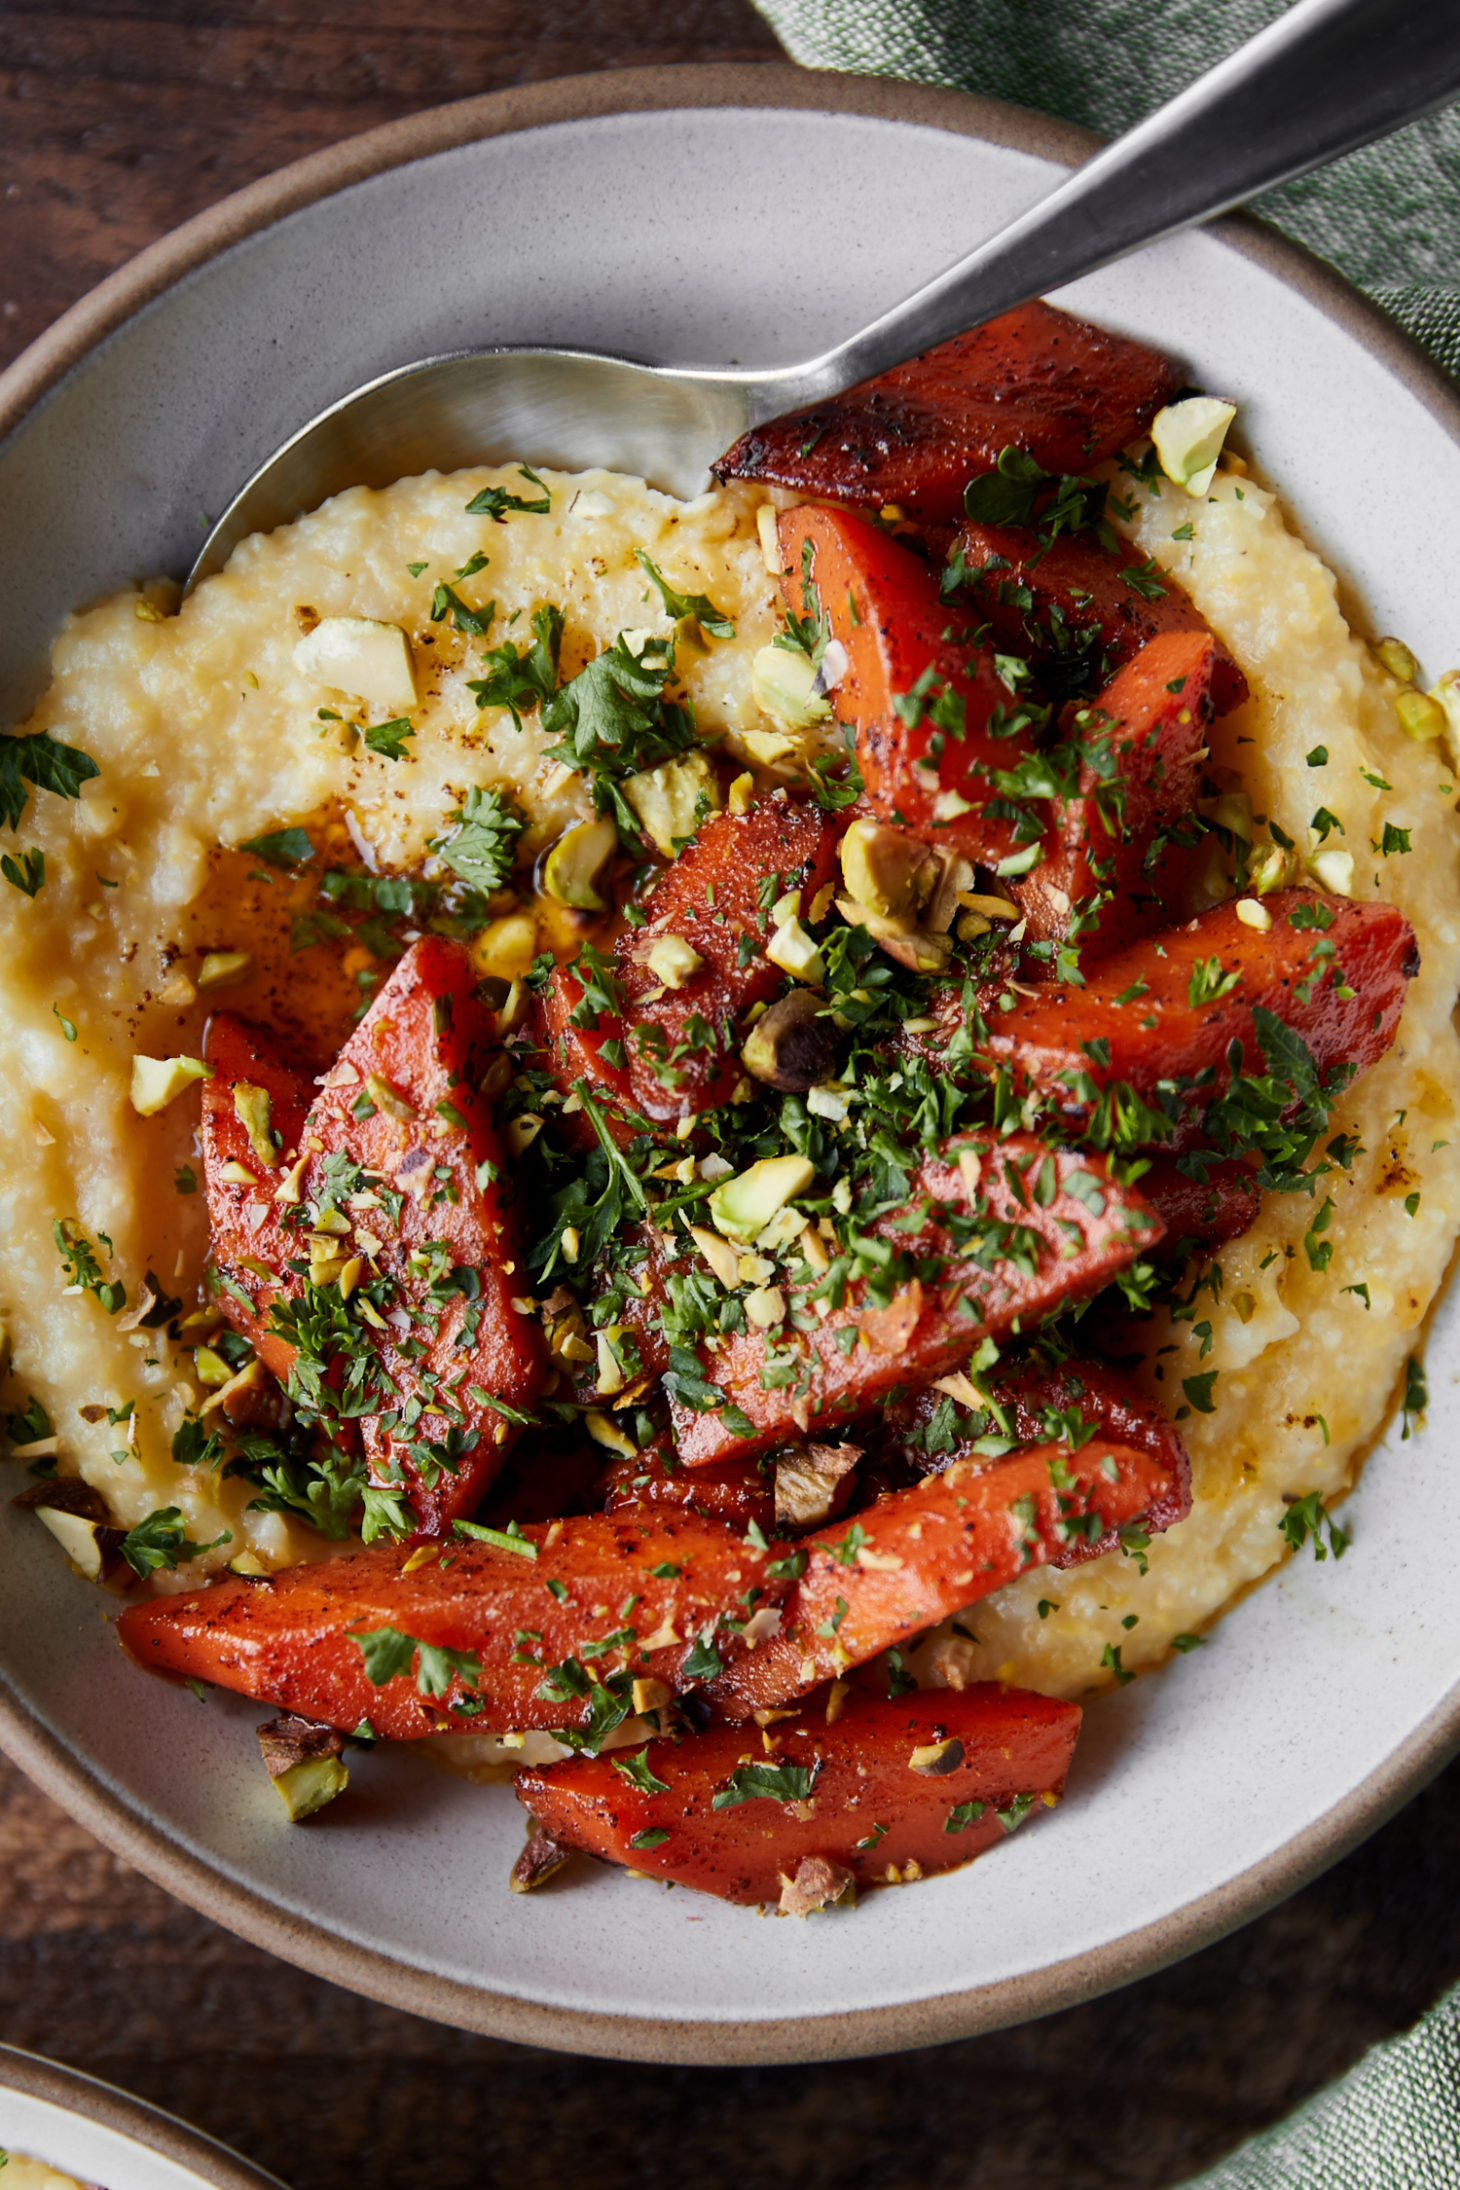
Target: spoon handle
1325 78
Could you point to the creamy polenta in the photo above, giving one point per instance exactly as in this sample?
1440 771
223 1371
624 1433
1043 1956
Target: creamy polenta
214 729
24 2174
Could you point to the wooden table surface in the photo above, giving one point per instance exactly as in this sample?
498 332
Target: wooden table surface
120 119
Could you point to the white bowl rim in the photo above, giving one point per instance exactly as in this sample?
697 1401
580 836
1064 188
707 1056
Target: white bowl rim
118 2112
72 1784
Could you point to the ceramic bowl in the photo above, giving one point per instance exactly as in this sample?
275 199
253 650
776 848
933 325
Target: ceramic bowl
705 215
105 2138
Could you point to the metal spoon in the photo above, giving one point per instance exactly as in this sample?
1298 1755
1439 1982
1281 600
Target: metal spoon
1327 77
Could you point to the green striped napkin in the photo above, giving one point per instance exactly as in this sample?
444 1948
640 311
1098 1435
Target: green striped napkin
1388 218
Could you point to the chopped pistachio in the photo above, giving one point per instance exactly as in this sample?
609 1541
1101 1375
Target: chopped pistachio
520 1133
1268 869
766 747
1188 437
673 961
830 1100
885 869
1421 716
211 1368
1253 914
1395 658
305 1763
992 908
741 1207
792 1046
719 1254
604 1431
668 801
291 1188
1335 870
794 951
741 794
506 947
388 1099
221 969
253 1107
541 1859
611 1378
1447 693
933 1759
79 1537
158 1081
574 866
766 1307
783 686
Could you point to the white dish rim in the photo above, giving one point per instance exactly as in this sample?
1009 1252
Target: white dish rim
363 1969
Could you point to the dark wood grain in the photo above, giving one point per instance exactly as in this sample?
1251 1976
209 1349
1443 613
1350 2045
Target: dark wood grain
119 118
118 121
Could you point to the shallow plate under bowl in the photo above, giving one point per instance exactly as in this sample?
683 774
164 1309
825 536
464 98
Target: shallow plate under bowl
700 216
105 2137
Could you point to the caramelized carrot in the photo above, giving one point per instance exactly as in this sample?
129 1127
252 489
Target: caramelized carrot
1139 750
740 1492
1070 607
918 1555
717 898
246 1224
1035 379
547 1629
1017 1230
1201 1212
1034 1403
392 1191
934 721
1158 1021
881 1793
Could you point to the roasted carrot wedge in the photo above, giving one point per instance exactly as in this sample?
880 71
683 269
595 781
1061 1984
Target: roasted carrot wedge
906 1562
716 899
579 1037
882 1793
1139 1053
1033 1404
935 723
645 1048
246 1224
1076 611
1015 1231
1200 1212
391 1195
1136 753
740 1492
1035 379
551 1628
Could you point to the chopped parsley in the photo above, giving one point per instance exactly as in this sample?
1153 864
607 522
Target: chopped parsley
162 1541
481 846
285 848
389 738
27 873
41 760
766 1783
1307 1518
495 502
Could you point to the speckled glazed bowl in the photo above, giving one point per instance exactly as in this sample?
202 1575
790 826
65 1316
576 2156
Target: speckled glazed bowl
104 2137
705 215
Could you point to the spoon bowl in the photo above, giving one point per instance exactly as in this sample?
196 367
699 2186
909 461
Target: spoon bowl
570 409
